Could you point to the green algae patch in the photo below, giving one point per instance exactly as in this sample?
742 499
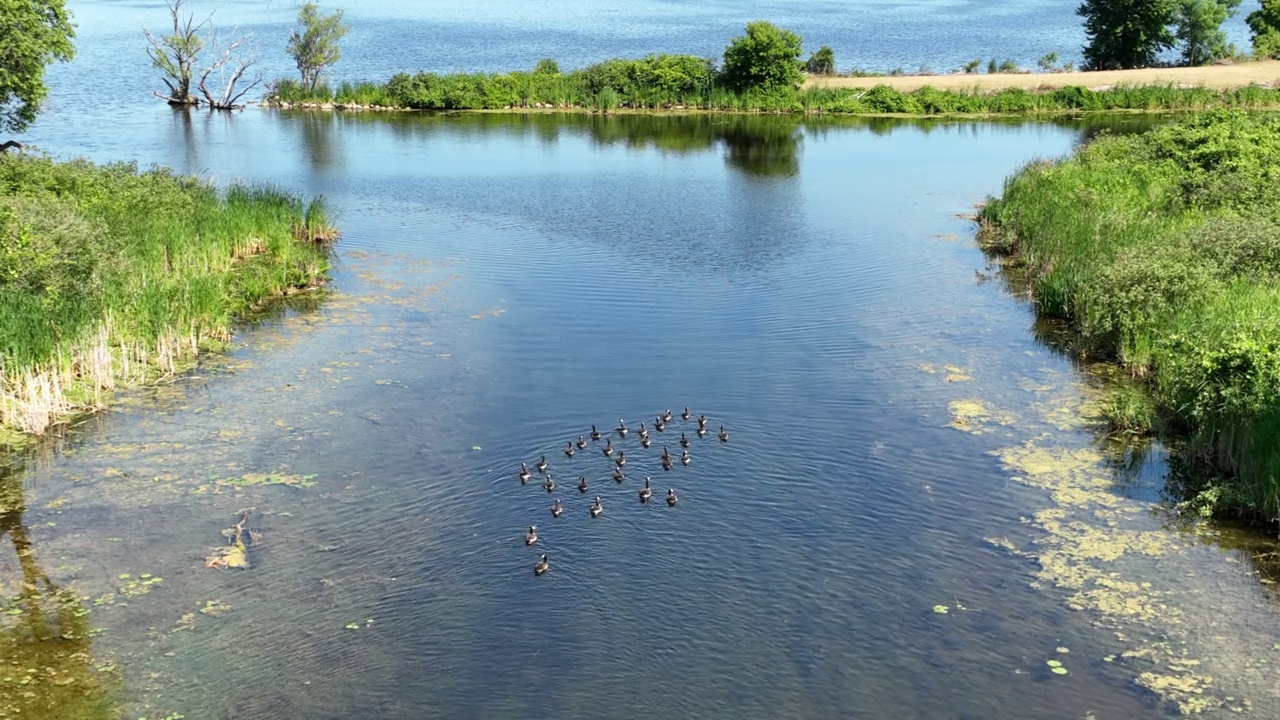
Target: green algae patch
249 479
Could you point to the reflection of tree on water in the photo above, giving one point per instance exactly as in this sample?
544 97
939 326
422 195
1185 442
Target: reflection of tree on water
44 634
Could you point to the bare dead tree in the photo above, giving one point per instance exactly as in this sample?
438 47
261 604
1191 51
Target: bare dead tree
175 55
232 63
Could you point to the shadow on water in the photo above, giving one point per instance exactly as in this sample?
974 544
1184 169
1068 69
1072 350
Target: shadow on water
45 634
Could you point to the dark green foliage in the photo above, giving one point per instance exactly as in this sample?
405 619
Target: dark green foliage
33 33
1264 26
1125 33
547 66
314 44
1163 250
1199 29
971 67
822 62
766 57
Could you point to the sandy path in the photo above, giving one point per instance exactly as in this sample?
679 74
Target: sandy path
1216 76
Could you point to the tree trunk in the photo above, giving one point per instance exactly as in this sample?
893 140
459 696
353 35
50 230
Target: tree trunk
11 144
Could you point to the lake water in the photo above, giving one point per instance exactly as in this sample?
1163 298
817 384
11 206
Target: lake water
910 519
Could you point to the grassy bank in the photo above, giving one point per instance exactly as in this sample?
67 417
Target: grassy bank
111 276
1163 252
678 81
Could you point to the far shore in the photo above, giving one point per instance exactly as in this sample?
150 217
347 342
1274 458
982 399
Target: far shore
1219 77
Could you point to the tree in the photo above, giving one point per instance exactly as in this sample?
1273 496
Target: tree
1199 27
822 62
1265 26
316 46
231 64
33 33
1125 33
766 57
175 55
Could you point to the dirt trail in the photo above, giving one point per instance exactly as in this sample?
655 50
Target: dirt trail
1216 76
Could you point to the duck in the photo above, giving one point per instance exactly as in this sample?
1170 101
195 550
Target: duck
686 414
684 441
556 509
608 448
622 459
666 454
531 537
645 441
541 566
582 442
702 421
671 497
622 428
549 484
666 463
596 507
659 424
524 473
666 416
702 431
684 457
568 450
646 492
724 434
643 432
595 434
617 475
582 484
541 464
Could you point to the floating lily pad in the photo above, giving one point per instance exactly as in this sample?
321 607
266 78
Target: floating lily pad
1058 671
1063 650
941 609
353 625
1053 663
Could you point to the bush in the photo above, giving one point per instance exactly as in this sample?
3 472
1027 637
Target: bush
766 57
1264 27
822 62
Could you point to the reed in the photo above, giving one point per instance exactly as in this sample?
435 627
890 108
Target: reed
110 276
1163 251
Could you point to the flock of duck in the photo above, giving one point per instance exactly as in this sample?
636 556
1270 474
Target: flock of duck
619 459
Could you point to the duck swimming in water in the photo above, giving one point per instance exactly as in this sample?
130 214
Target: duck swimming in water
622 428
549 484
556 509
596 507
582 442
686 414
702 431
666 416
595 434
531 537
524 473
659 424
617 475
643 432
622 459
645 492
684 441
541 464
684 457
724 434
645 441
541 566
582 484
702 421
608 447
671 497
666 463
568 450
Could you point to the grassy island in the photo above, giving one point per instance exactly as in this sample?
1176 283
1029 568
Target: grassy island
1162 250
110 276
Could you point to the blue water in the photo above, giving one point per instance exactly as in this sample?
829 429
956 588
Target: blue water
505 281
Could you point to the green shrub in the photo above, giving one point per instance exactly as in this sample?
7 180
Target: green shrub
822 62
765 57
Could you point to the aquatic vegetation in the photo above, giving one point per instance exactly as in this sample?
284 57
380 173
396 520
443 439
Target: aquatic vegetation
110 276
297 481
1161 251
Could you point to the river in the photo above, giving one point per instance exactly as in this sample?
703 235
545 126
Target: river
911 517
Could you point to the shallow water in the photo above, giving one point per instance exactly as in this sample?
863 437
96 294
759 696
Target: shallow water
505 281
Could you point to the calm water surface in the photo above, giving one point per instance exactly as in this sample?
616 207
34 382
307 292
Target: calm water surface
504 282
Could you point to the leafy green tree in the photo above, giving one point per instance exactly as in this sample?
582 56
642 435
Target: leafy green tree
176 54
547 66
1126 33
1265 24
822 62
33 33
1199 28
314 46
765 57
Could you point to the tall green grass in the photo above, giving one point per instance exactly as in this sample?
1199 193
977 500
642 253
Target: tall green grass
109 275
1163 250
669 81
